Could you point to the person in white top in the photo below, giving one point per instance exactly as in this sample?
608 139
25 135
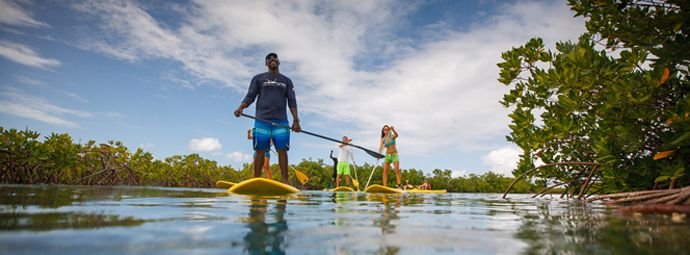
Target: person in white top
344 159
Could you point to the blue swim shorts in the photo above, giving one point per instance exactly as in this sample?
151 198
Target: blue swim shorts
265 132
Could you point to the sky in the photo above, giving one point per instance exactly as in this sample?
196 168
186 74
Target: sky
165 76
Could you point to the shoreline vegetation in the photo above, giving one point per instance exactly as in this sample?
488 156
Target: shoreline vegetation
610 112
25 158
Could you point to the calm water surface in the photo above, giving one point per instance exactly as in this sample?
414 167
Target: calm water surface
118 220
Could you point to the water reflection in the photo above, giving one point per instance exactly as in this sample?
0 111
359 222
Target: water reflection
266 235
55 196
343 197
344 207
40 207
118 220
51 221
577 228
389 212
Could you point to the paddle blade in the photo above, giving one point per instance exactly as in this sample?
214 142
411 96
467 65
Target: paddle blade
374 154
301 177
355 182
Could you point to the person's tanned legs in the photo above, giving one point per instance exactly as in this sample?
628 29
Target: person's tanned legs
283 162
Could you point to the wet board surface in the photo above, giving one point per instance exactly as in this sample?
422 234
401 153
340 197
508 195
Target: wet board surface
381 189
224 184
262 186
426 191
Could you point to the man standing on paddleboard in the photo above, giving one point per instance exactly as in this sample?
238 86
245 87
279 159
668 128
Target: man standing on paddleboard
274 91
344 159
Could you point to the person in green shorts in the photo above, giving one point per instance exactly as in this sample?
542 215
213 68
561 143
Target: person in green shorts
344 159
388 137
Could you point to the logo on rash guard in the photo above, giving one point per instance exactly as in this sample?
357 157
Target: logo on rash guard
273 84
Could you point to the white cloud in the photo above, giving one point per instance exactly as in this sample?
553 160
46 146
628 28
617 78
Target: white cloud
30 81
458 173
206 144
73 95
19 104
503 160
238 156
13 14
29 112
147 146
25 55
38 84
213 39
440 93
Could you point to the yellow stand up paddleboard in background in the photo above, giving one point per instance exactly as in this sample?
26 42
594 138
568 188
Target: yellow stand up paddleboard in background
426 191
262 186
342 189
381 189
224 184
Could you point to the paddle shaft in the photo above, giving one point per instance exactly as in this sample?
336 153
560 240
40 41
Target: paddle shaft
370 152
372 174
293 169
374 168
354 169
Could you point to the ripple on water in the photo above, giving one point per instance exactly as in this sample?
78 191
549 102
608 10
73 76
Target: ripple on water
80 220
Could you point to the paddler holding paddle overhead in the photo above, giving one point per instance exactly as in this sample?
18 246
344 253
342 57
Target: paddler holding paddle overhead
388 136
274 91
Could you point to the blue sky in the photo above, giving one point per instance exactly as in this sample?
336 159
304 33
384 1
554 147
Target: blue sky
165 76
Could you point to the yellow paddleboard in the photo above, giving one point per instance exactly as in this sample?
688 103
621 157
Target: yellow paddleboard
381 189
426 191
262 186
224 184
342 188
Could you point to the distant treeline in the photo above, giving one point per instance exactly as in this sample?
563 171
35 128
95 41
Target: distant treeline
25 158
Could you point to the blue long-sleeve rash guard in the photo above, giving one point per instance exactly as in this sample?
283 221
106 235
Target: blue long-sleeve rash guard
274 92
